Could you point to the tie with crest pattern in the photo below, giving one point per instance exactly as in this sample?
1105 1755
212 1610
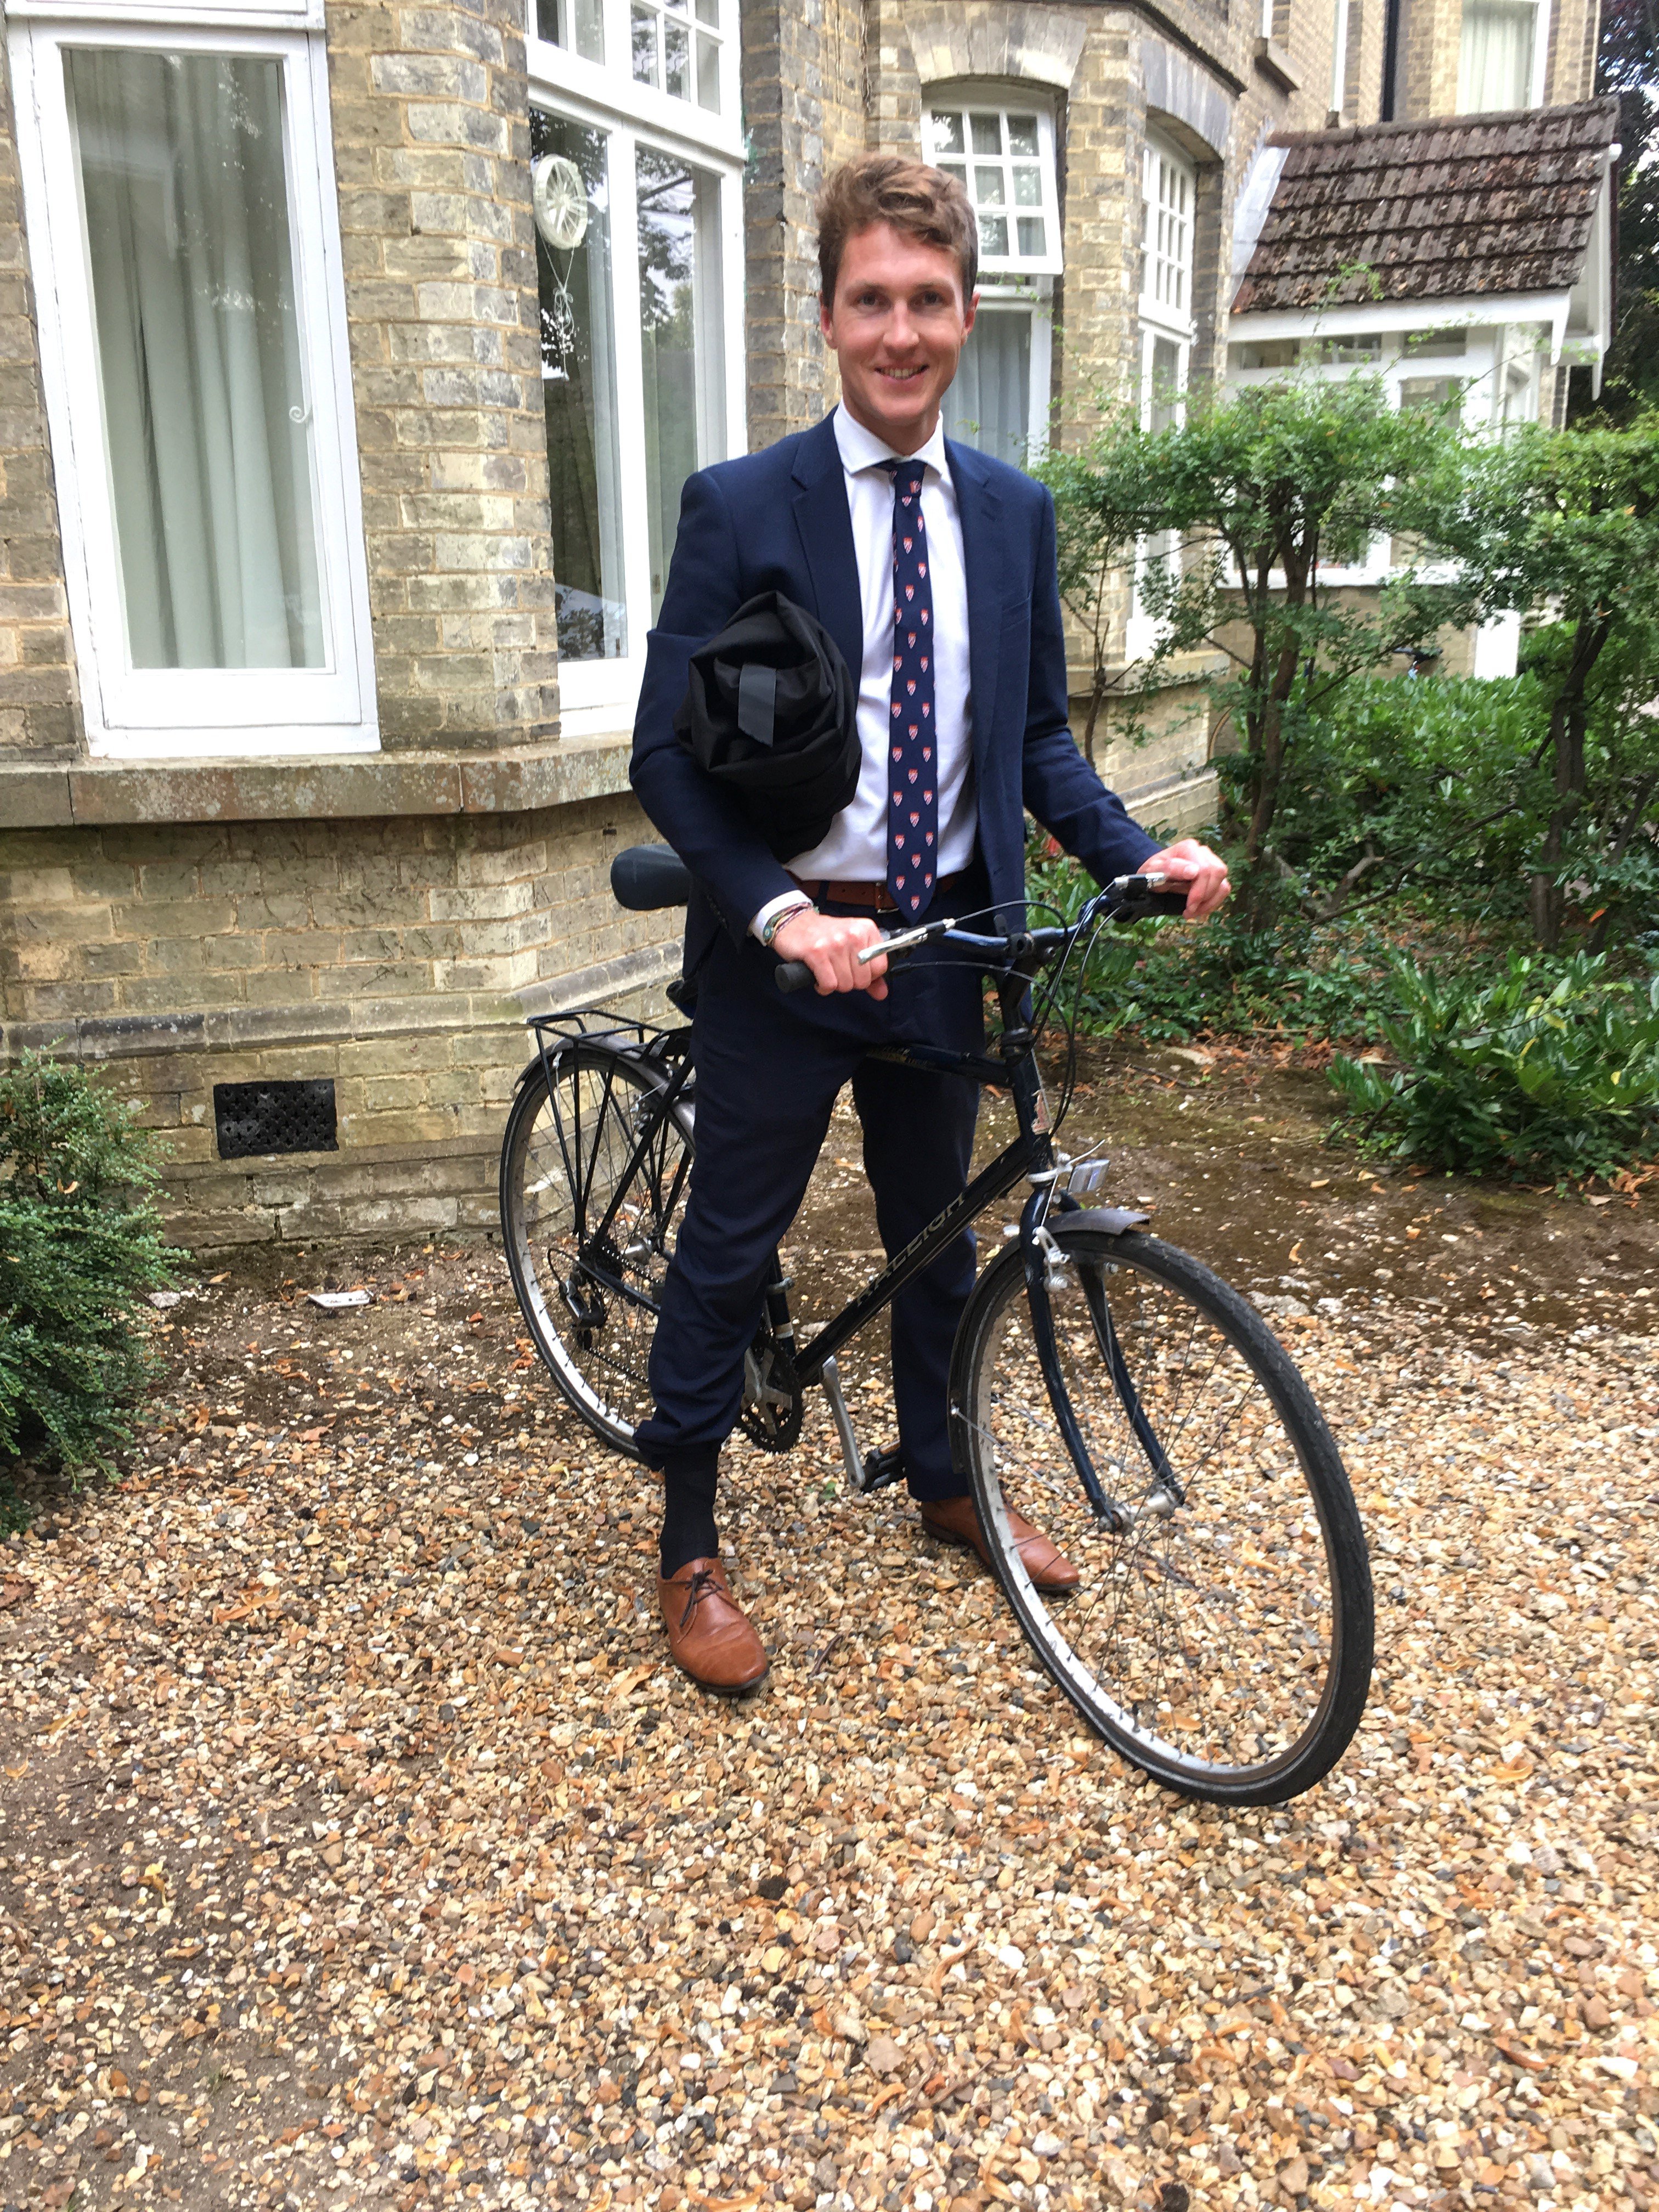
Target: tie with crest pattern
913 817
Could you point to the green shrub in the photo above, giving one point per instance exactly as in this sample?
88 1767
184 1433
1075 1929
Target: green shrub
1552 1069
80 1243
1234 975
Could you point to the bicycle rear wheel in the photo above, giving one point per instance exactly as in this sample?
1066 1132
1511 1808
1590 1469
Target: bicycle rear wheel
1223 1642
589 1221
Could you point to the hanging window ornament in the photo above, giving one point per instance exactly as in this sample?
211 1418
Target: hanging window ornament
558 202
558 199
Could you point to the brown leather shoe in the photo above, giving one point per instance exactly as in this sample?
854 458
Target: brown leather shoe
956 1521
707 1634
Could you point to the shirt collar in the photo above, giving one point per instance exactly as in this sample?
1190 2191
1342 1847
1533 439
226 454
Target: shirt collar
861 449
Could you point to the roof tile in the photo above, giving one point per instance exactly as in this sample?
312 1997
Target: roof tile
1469 203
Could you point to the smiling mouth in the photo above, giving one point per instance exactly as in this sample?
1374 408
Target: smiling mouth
902 375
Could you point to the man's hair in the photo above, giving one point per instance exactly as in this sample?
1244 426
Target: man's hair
923 203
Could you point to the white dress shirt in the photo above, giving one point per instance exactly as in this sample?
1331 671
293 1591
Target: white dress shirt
855 850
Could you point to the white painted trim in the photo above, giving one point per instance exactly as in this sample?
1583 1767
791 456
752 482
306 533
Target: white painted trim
240 15
607 92
1364 317
988 94
1339 58
600 694
164 712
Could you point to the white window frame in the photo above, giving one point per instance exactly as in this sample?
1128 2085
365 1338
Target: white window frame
986 98
1340 59
1035 301
1160 320
598 695
1542 12
181 712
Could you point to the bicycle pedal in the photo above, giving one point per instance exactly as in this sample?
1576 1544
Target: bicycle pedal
882 1469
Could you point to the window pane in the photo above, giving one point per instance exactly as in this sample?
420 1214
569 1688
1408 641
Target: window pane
579 385
988 133
1023 134
676 60
681 354
955 169
1032 236
987 187
646 70
1435 342
184 185
708 11
709 74
947 133
994 235
1028 186
1495 56
990 403
1166 383
578 26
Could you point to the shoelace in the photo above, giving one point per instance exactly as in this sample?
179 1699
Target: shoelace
698 1588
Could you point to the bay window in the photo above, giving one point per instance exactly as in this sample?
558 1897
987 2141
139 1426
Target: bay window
179 199
1169 191
636 162
1001 150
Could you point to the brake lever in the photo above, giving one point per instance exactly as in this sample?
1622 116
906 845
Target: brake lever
903 941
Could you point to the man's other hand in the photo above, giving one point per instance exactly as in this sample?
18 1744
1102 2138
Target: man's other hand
1204 873
829 945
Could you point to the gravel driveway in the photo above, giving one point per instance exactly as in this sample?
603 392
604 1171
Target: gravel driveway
358 1848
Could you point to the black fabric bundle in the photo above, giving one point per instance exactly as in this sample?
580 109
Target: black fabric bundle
771 712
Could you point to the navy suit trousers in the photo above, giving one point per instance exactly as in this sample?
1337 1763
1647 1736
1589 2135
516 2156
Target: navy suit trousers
768 1069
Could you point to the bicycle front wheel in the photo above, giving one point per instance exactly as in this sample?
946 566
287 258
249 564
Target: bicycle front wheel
1222 1640
594 1172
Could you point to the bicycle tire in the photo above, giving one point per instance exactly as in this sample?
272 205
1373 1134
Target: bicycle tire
1142 1648
562 1154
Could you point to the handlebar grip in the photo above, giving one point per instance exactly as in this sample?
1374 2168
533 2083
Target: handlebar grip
794 976
1173 903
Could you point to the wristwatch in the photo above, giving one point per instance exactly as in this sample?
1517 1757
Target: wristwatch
773 923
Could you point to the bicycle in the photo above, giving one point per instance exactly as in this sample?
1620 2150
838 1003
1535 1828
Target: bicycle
1103 1383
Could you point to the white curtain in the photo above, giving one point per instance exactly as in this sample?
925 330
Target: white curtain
198 343
1494 68
989 404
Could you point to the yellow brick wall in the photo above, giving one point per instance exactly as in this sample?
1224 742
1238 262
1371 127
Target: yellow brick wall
397 957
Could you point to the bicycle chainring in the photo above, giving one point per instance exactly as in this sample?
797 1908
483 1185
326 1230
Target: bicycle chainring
771 1411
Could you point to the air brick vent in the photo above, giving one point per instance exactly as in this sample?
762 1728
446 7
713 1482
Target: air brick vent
274 1117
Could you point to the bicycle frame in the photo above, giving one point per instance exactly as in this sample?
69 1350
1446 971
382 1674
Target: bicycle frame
1030 1157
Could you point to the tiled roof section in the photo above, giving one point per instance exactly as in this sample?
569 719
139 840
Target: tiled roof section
1460 204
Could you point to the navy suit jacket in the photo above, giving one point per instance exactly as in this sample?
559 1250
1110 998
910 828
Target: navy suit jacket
778 520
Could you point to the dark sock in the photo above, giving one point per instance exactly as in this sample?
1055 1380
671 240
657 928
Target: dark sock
688 1516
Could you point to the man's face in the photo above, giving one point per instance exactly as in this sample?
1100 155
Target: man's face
898 325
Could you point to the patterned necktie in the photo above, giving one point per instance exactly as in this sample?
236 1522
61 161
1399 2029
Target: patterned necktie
912 817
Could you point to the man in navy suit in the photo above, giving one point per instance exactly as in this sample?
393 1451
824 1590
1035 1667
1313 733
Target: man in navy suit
932 567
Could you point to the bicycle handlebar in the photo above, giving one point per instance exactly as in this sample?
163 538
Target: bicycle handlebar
1130 897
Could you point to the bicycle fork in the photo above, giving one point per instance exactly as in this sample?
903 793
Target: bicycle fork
1046 1268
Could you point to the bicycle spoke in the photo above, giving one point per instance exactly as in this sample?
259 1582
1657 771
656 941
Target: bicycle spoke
1205 1629
594 1201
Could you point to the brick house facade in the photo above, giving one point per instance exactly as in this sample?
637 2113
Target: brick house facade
537 264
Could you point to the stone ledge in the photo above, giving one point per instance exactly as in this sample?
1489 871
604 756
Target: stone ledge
94 795
96 1040
1276 65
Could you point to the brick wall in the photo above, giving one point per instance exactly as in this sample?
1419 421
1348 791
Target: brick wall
40 714
432 146
397 957
803 83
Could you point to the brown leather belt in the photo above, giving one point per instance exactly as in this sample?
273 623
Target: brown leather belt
876 896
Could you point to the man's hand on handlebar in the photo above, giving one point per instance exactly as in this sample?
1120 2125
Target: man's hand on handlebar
829 946
1192 867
